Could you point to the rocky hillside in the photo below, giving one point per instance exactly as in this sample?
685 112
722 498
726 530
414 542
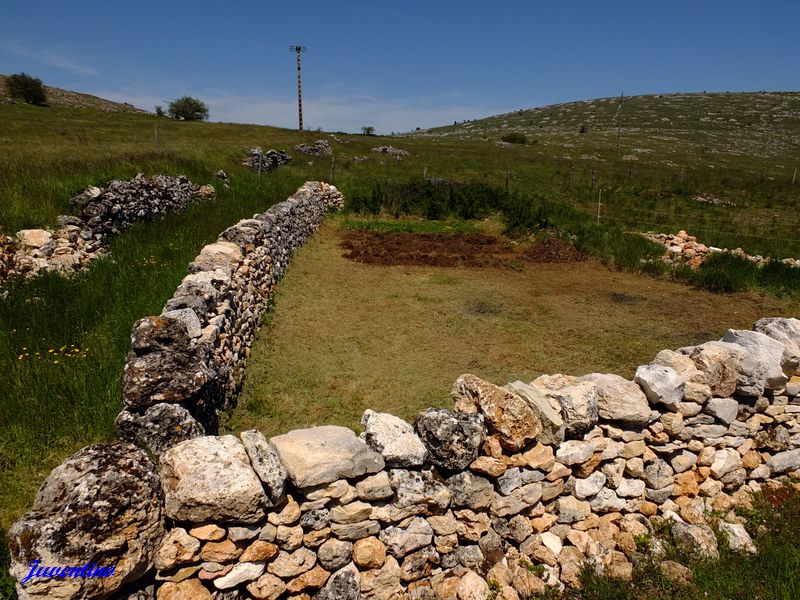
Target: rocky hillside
724 127
65 98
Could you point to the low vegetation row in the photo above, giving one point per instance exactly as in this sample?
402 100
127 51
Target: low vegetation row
531 214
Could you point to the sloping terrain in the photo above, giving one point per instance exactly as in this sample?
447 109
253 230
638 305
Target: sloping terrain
67 99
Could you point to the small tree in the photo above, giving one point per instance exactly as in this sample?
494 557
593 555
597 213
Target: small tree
368 130
27 88
188 109
160 111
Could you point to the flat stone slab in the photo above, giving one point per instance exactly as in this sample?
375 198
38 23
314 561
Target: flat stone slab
210 479
320 455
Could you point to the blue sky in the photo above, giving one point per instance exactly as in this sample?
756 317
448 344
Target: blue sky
398 65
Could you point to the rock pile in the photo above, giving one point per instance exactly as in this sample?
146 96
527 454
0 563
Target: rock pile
683 248
713 201
186 365
266 161
319 148
391 151
104 212
519 486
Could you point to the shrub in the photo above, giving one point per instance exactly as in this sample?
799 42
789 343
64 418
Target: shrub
515 138
188 109
160 111
29 89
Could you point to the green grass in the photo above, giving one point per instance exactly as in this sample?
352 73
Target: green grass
345 336
771 574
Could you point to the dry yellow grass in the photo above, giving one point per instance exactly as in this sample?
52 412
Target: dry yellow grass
344 336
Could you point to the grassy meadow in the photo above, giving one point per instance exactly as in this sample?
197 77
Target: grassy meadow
63 341
345 336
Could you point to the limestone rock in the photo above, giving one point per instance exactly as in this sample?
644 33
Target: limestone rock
507 416
369 553
334 554
400 541
344 584
375 487
472 587
159 427
729 368
517 501
288 565
190 589
177 548
393 439
470 490
696 540
577 398
383 583
724 409
267 587
164 367
787 332
117 485
570 509
210 479
619 399
589 486
453 439
662 385
320 455
419 488
240 573
574 452
266 464
738 538
696 387
766 350
546 409
784 461
351 513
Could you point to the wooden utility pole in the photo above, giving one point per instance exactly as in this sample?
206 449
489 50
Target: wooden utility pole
299 50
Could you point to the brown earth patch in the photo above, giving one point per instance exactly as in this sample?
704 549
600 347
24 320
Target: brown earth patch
451 250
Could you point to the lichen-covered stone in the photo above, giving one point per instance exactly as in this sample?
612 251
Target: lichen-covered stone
210 479
453 439
102 505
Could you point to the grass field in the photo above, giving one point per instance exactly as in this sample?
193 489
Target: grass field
501 324
345 336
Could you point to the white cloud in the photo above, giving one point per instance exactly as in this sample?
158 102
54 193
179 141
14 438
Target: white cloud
52 58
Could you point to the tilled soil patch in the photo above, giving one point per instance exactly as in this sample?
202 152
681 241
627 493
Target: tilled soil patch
451 250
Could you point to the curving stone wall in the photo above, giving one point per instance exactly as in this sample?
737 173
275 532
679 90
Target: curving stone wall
519 485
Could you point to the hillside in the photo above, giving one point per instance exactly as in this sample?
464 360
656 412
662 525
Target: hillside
68 99
723 129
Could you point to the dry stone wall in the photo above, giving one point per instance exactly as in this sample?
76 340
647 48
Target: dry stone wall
186 365
102 213
518 485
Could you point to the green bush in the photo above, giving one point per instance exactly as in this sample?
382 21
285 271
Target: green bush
188 109
515 138
29 89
